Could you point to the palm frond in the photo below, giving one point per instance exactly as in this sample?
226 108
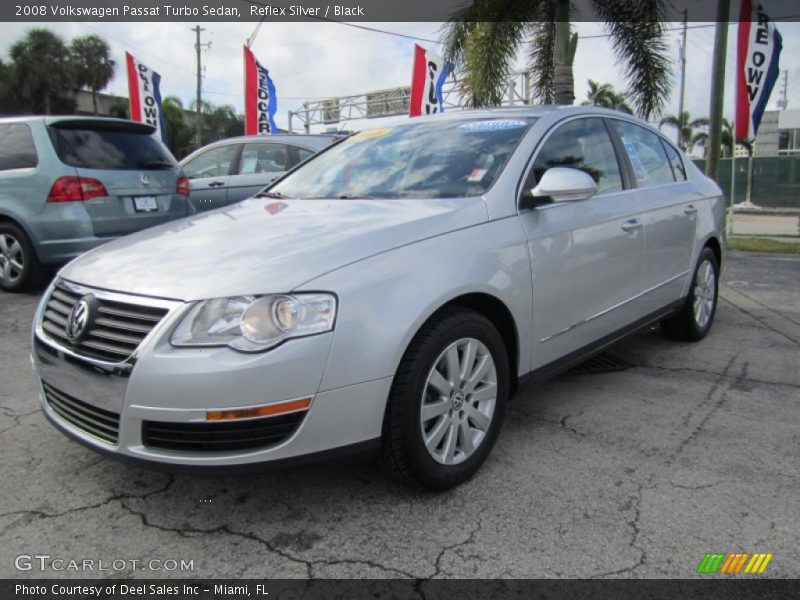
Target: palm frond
488 55
636 30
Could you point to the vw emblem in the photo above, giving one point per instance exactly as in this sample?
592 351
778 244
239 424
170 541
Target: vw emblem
144 180
78 318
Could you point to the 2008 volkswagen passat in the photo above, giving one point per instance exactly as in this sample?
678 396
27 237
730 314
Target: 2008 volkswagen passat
389 294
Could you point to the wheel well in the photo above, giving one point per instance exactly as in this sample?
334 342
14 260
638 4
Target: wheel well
497 312
713 243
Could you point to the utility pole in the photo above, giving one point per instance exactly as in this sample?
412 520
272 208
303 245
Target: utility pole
717 88
199 109
783 102
683 78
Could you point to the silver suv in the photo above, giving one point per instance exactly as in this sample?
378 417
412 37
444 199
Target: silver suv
68 184
387 295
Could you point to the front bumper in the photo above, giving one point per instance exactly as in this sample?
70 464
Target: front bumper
165 385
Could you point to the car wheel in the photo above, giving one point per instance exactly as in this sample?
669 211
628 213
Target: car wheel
447 400
19 267
694 320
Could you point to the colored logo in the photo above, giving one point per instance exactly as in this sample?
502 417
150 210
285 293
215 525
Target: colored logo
734 563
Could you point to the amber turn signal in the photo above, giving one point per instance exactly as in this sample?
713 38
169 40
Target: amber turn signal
270 410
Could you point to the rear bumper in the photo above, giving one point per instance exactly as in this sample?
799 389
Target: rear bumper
57 252
63 231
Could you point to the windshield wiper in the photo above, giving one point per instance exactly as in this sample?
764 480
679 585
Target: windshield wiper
354 197
155 164
271 195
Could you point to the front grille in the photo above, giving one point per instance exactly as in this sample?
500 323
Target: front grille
115 332
100 423
220 437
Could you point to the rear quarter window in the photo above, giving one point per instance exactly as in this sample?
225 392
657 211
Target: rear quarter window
110 148
17 150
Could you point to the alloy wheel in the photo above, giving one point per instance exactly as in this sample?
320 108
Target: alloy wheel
12 259
458 401
704 293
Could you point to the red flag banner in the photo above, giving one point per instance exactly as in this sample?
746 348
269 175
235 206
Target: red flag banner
260 99
758 49
144 94
429 75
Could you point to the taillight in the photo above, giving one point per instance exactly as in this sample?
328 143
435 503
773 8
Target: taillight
183 188
72 189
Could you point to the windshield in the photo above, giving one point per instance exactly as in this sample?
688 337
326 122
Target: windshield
445 159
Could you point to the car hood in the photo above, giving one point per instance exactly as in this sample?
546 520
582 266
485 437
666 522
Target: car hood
263 245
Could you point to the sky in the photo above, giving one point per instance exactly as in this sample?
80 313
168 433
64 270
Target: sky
310 61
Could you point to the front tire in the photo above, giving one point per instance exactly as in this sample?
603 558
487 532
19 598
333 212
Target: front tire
694 320
20 269
447 400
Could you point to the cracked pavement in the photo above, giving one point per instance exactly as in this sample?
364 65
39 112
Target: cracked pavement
634 473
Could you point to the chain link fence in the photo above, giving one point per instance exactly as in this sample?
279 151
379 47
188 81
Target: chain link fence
776 180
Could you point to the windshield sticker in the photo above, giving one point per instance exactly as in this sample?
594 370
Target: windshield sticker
368 134
493 125
476 175
638 167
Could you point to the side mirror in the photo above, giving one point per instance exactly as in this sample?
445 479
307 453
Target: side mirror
564 184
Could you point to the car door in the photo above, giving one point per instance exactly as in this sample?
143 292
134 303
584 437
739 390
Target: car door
669 212
209 173
260 164
586 256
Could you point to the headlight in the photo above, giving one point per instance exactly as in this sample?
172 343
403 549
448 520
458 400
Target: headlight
255 323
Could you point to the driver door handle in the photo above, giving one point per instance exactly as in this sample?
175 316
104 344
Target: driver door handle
631 225
690 210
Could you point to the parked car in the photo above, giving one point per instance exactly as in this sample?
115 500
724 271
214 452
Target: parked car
388 295
68 184
236 168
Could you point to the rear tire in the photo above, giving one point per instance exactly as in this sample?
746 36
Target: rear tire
20 269
695 318
447 400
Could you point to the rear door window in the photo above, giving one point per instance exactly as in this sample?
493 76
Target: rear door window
264 158
110 147
17 150
303 154
678 168
646 153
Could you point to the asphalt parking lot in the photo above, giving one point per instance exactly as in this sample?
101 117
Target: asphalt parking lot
631 473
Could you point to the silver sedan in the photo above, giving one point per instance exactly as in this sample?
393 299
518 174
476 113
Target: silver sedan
386 296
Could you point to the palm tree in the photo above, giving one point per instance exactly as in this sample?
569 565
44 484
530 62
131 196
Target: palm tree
685 126
726 140
604 94
42 72
483 39
179 134
94 68
598 94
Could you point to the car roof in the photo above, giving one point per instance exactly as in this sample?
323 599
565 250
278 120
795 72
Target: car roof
276 136
53 119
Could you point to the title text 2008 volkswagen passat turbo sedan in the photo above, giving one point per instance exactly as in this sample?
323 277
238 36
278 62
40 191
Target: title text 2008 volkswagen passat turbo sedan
387 294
